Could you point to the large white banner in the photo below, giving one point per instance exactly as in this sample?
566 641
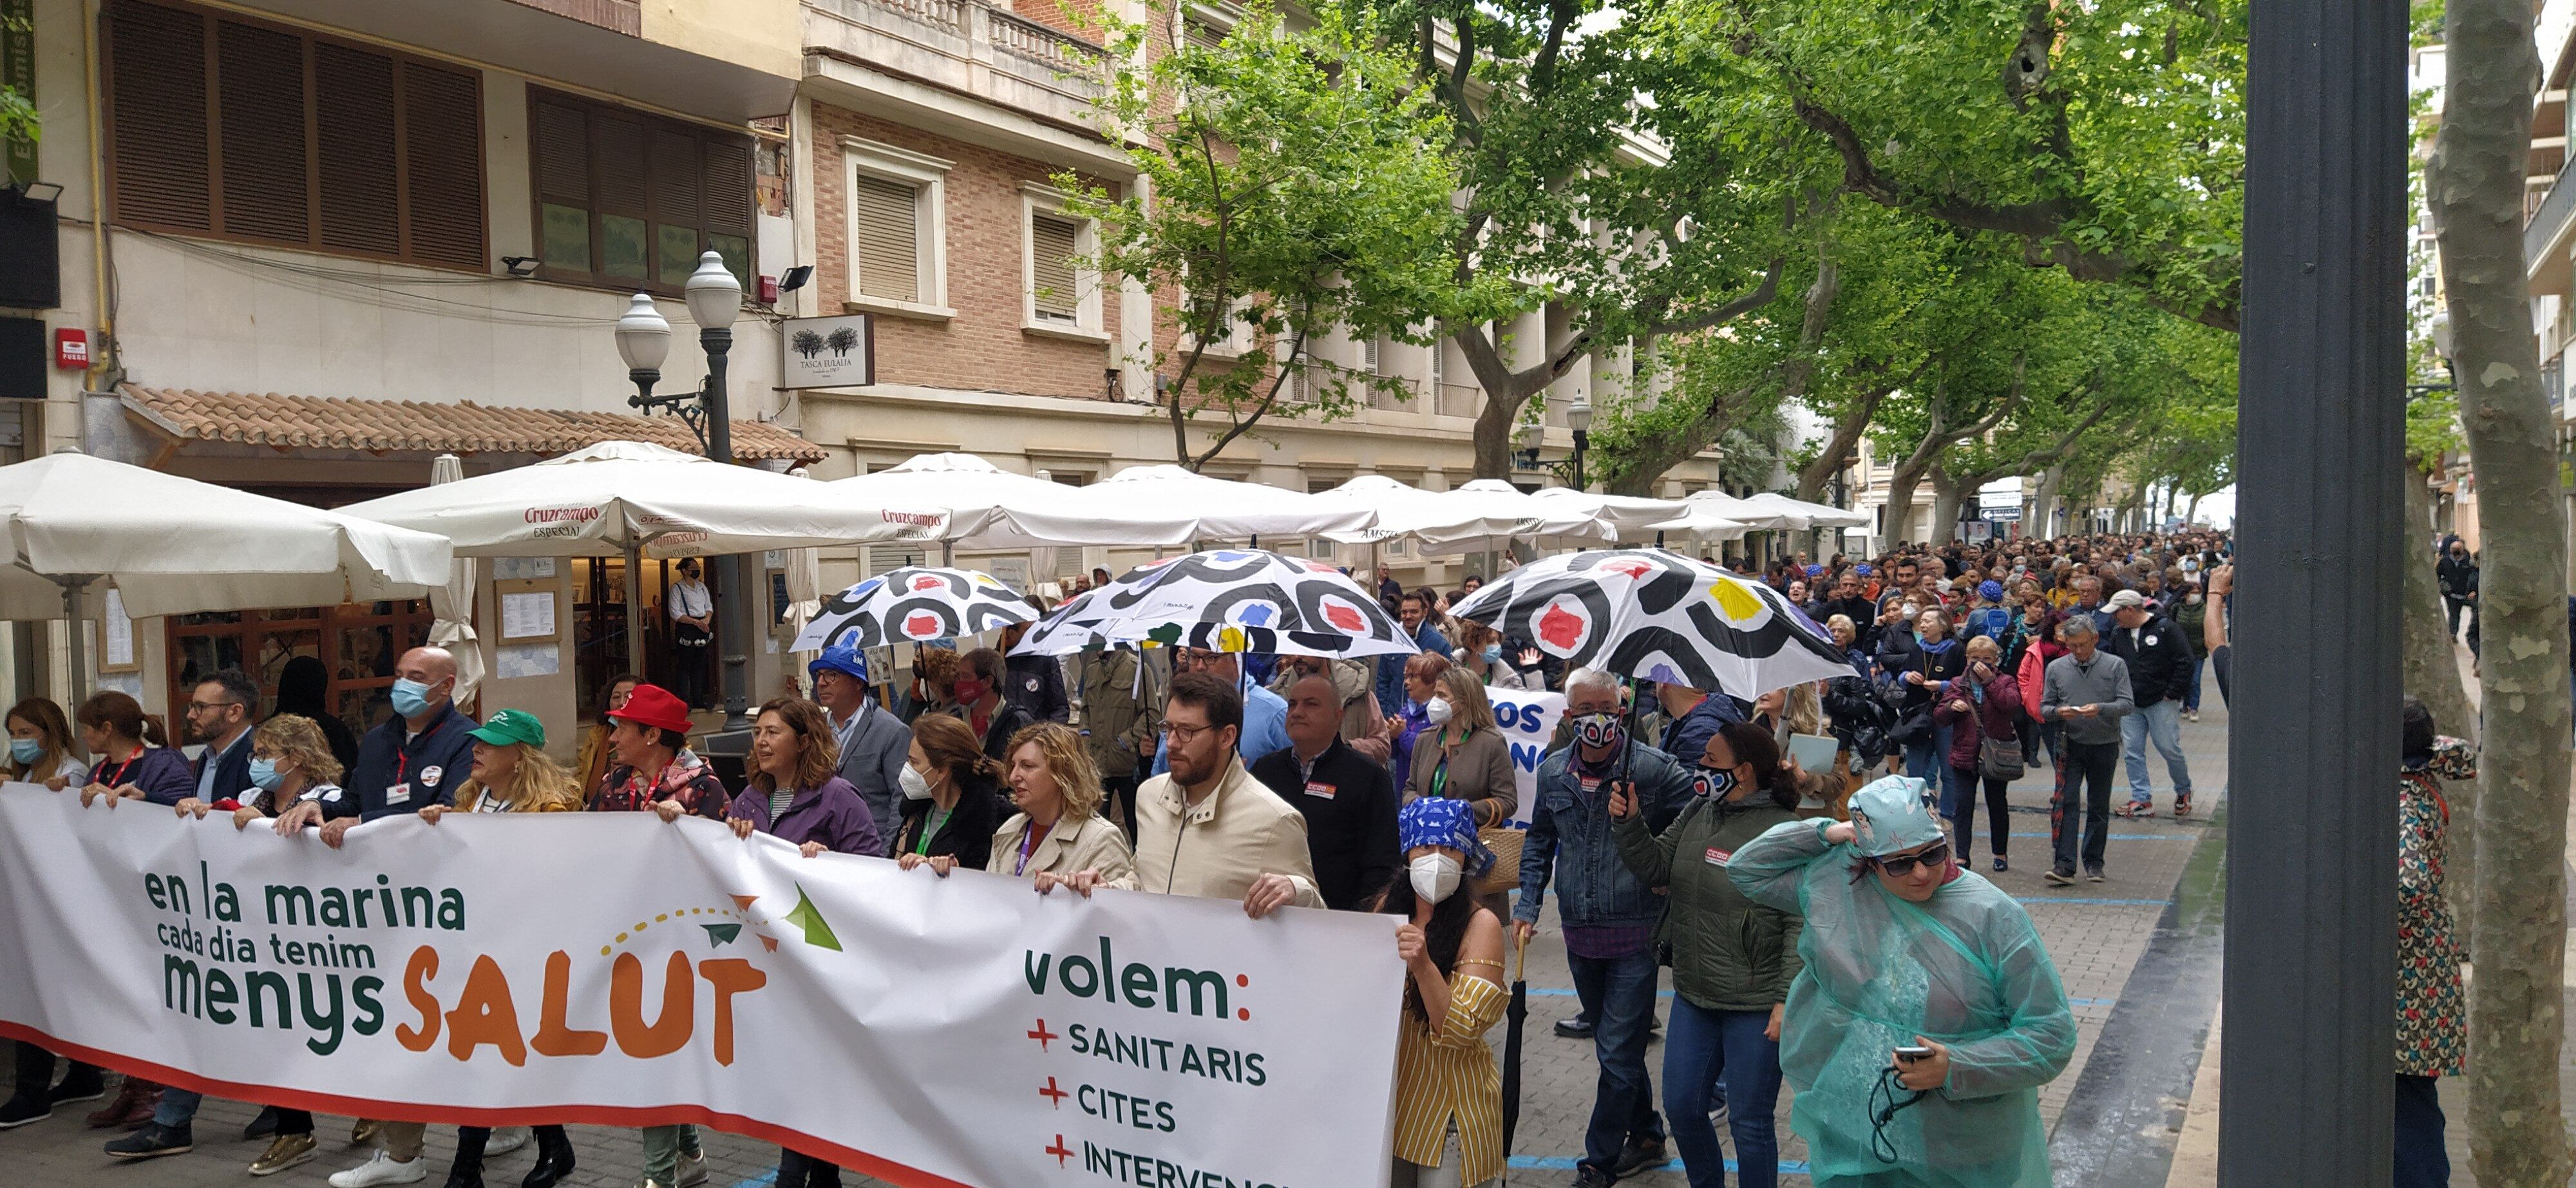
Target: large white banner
1528 720
612 969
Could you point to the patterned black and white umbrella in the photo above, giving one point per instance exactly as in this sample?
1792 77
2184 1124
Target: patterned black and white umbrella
914 605
1225 600
1659 616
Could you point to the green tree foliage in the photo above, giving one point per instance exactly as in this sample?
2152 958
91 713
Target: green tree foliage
1613 175
1300 185
2103 138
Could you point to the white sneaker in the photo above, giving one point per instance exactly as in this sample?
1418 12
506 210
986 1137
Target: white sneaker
383 1169
692 1171
505 1140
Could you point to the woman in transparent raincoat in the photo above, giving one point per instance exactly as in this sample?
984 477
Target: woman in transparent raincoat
1904 949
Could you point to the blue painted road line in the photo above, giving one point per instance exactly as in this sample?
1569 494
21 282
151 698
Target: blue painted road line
1554 992
1788 1167
763 1180
2126 836
2091 1002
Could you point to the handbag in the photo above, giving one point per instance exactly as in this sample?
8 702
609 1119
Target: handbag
1999 758
1506 842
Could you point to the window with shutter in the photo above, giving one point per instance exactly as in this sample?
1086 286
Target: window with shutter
157 66
241 129
626 200
1369 355
1054 283
885 245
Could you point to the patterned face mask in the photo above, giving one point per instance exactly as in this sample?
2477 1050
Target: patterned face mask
1597 730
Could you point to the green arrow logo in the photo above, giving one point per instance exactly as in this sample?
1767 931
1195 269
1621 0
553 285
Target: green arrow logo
806 916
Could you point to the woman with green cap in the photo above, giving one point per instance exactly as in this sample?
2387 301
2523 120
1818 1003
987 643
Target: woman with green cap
1926 1014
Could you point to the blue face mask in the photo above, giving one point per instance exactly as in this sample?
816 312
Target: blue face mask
1493 653
410 698
26 750
263 772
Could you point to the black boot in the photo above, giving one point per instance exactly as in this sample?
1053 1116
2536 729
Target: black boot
262 1125
467 1169
82 1083
554 1158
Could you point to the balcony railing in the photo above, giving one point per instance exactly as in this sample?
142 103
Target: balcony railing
2548 213
964 46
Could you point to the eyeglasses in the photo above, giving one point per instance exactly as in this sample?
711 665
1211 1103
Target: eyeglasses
1900 867
1182 735
194 706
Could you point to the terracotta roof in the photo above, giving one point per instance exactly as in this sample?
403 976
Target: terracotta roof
375 426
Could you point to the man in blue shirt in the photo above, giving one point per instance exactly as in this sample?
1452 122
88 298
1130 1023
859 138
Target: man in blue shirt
1416 614
1265 714
410 761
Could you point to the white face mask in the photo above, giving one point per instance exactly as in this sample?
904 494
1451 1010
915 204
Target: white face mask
1435 877
914 786
1438 712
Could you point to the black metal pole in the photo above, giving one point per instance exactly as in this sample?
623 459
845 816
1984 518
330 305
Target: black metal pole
736 595
2308 1060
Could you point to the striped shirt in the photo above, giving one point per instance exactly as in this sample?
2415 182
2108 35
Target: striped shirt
1449 1076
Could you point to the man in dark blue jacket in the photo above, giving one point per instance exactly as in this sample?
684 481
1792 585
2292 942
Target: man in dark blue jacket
220 712
1608 913
1416 613
412 760
2159 665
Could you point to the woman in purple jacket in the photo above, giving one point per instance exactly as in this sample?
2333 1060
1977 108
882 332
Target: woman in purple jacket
1982 703
135 760
795 795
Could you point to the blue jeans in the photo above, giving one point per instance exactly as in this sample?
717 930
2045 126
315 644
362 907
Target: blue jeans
1926 760
1619 995
2191 700
2161 722
2421 1161
178 1107
1728 1046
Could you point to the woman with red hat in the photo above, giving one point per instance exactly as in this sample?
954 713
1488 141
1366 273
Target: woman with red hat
651 765
653 768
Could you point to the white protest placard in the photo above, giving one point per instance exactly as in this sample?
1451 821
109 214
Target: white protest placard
1528 720
610 969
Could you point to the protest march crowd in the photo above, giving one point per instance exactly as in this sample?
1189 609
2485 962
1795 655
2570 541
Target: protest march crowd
1802 861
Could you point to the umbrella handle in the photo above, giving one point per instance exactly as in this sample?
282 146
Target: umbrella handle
1520 957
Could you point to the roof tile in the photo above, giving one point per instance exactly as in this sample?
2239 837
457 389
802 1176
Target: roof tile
342 423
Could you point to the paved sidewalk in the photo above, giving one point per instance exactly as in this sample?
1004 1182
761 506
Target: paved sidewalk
2095 932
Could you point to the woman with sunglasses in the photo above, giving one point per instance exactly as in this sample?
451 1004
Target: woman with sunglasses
1925 1014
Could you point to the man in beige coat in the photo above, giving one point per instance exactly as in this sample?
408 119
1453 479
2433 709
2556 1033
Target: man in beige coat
1207 827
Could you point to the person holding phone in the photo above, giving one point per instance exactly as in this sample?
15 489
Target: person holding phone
1925 1013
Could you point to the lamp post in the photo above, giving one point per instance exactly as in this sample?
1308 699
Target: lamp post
644 339
1578 417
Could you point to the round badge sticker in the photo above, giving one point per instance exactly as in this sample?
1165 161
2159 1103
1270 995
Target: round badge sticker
429 775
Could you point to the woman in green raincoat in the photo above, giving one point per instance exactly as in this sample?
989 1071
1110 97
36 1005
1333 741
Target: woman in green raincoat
1903 949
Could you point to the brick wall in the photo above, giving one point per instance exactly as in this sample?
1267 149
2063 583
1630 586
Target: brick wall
983 347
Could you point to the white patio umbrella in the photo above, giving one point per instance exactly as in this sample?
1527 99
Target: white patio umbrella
992 508
1220 509
1628 515
452 601
1478 511
1817 515
174 545
633 499
1720 505
1706 521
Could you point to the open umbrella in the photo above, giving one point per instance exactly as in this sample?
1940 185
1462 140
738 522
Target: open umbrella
1515 1020
1225 600
990 508
1628 515
1220 509
1657 615
1817 515
1478 511
914 605
174 545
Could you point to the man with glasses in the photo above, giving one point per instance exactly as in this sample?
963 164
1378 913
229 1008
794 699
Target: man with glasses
1207 827
1265 714
219 715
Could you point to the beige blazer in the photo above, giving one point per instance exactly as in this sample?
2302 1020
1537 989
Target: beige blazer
1240 832
1087 843
1480 772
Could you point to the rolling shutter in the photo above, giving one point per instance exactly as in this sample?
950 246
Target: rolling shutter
443 166
157 102
1051 248
266 169
886 238
356 148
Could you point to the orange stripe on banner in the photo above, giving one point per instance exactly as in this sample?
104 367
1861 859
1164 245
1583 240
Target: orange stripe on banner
585 1115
